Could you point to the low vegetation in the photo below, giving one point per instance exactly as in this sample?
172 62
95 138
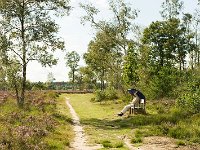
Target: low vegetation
42 124
163 118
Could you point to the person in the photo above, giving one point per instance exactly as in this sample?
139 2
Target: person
136 100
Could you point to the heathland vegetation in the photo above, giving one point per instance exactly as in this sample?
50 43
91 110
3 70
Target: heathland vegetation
162 60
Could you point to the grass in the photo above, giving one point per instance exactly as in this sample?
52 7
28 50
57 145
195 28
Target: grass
61 138
101 122
46 126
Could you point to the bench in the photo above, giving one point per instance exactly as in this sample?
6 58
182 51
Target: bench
138 108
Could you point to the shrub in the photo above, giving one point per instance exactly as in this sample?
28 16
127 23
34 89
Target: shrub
111 94
179 133
106 144
108 94
180 143
100 95
190 102
161 83
119 145
136 140
189 96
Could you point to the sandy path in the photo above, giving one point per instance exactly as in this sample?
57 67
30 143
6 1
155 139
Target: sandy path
149 143
80 142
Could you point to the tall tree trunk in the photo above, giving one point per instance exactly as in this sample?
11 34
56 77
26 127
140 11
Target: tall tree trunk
24 65
73 78
192 59
102 80
16 92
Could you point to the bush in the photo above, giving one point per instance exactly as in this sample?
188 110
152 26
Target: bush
100 95
189 98
190 102
136 140
108 94
106 144
180 143
180 133
111 94
162 83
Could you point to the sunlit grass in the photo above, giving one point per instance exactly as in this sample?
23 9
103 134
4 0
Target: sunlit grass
63 135
101 122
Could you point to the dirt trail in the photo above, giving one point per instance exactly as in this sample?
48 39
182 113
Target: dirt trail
80 141
149 143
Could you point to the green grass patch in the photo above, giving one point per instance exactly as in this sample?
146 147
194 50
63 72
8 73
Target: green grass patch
136 140
63 134
101 122
180 143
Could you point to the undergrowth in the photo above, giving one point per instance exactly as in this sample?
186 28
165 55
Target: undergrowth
38 125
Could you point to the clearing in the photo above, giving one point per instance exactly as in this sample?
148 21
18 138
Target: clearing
97 126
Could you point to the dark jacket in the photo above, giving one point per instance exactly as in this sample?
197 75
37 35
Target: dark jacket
140 95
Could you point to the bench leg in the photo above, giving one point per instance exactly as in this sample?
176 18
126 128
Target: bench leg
131 110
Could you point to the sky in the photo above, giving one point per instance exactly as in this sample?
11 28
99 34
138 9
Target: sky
77 36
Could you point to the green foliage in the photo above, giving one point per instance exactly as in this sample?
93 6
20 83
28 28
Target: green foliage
130 75
72 60
179 133
107 144
100 95
119 145
180 143
171 8
111 94
162 83
136 140
106 51
29 34
189 99
108 94
30 128
190 102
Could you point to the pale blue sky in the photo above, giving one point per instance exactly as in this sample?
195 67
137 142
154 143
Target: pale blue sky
77 36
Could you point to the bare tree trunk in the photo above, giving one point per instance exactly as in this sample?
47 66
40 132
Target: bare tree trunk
24 65
17 92
73 78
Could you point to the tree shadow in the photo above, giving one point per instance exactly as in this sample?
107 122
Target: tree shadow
134 121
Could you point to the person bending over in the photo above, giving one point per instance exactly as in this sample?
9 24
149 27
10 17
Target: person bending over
136 100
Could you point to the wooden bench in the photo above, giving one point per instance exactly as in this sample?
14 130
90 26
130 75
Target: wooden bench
139 108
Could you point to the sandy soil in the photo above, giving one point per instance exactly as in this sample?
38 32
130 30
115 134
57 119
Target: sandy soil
80 140
149 143
160 143
163 143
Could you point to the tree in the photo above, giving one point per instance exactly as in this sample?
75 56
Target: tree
167 42
130 75
122 21
72 60
50 77
189 35
31 33
104 59
171 9
196 20
88 77
116 31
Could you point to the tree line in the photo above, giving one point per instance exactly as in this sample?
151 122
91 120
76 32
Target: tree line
162 59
